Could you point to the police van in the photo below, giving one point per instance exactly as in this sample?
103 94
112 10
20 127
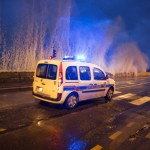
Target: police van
70 81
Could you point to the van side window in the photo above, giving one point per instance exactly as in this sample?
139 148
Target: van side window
71 73
85 73
98 74
41 70
52 72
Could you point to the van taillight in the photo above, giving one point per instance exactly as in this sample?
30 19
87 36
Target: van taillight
60 81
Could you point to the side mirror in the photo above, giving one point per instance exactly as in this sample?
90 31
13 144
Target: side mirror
107 76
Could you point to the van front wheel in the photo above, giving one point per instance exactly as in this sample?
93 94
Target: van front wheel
71 101
109 94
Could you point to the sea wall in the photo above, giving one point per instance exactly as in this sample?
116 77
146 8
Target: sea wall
8 77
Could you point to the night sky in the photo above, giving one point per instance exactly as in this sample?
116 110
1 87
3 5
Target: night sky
134 13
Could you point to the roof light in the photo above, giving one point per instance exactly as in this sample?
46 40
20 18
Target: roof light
68 58
78 58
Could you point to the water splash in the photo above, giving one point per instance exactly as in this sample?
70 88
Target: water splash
34 30
128 58
109 45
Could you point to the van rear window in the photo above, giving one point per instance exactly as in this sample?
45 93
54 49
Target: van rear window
48 71
41 70
52 72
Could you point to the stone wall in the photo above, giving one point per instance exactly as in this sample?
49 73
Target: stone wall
8 77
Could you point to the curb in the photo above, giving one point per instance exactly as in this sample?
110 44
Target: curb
14 89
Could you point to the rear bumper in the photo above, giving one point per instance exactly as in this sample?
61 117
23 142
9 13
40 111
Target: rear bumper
47 99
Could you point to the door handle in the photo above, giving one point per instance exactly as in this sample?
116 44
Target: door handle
90 84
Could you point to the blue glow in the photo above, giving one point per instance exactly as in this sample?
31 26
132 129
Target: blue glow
77 145
81 58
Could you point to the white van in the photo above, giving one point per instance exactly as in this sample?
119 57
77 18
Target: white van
69 82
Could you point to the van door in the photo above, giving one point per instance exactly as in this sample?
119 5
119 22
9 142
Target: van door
99 82
45 82
86 82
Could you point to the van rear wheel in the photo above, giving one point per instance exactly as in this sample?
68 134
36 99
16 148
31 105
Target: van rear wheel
71 101
109 94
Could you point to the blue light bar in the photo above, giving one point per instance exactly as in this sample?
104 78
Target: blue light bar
68 58
78 58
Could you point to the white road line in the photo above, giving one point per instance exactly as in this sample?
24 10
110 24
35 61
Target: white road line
133 85
130 124
141 101
148 136
115 135
129 82
97 147
2 129
125 96
117 92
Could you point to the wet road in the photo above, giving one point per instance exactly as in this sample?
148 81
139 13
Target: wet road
122 124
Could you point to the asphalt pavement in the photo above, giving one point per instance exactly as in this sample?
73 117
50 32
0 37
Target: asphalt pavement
124 123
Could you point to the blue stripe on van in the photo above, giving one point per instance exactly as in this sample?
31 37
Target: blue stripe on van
69 88
76 88
81 88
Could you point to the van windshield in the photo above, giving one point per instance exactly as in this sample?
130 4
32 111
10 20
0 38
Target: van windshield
47 71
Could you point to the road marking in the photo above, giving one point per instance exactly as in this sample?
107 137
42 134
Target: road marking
141 101
117 92
148 136
97 147
125 96
129 82
2 129
130 124
133 85
115 135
